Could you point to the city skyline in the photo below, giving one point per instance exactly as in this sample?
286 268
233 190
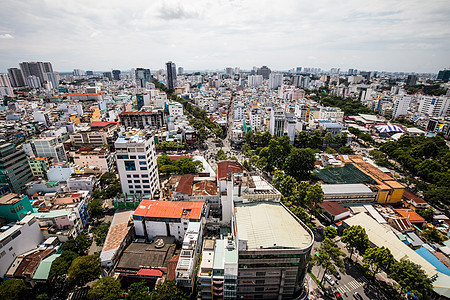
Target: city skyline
388 36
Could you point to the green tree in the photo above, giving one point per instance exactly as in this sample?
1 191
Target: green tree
107 178
287 186
299 194
345 150
278 177
84 269
95 208
355 238
328 139
300 163
138 291
12 289
433 235
220 155
234 158
218 132
427 213
330 232
78 245
60 266
378 258
330 150
100 233
104 289
202 135
43 296
411 278
168 291
328 256
314 196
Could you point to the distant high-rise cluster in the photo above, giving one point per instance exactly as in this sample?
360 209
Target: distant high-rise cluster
142 77
34 75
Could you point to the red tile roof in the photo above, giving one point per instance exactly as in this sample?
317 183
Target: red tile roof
185 184
169 209
204 188
102 124
172 267
411 215
408 195
225 167
150 272
333 208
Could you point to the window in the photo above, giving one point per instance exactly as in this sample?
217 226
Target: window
132 156
11 209
137 181
260 281
122 156
130 165
130 187
144 175
128 176
136 176
146 186
130 181
141 156
143 168
259 289
145 181
137 187
143 163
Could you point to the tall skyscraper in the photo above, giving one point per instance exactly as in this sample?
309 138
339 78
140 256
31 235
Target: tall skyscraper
37 69
411 80
275 80
33 82
180 70
171 75
5 86
444 75
142 77
107 75
264 71
16 77
116 74
53 78
401 105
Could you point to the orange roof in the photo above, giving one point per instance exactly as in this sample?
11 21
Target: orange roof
394 184
411 215
170 209
78 94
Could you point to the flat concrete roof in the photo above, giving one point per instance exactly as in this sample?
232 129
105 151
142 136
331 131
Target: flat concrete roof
346 188
269 225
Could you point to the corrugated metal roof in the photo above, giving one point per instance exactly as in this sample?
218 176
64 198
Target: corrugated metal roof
169 209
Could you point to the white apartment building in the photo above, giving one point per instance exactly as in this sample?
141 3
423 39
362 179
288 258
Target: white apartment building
59 172
46 147
255 80
22 237
239 111
136 164
255 118
5 86
84 183
331 113
275 80
191 248
277 122
401 105
434 106
175 109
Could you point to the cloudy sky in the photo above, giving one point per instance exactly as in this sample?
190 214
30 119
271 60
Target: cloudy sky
408 35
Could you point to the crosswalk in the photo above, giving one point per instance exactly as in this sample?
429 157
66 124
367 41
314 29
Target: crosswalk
352 285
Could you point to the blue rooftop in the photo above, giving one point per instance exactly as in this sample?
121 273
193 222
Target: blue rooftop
428 256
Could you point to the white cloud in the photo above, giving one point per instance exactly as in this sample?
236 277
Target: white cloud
6 36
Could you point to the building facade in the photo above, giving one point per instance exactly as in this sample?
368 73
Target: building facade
14 168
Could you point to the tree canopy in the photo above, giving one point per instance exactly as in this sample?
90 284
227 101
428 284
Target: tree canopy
78 245
105 288
12 289
168 291
328 256
138 291
299 163
61 265
355 238
411 278
84 269
184 165
378 258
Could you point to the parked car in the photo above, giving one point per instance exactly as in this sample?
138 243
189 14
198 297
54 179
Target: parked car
329 279
337 275
358 296
338 295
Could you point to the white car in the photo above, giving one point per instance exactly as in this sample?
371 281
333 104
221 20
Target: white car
329 279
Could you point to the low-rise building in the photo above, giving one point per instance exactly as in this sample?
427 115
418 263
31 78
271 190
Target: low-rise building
99 158
39 166
82 182
190 251
14 207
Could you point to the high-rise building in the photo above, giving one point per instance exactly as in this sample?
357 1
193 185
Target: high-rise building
136 164
298 69
411 80
16 77
255 80
142 77
14 168
33 82
107 75
229 71
171 75
264 71
444 75
277 122
53 79
89 73
434 106
401 105
116 74
180 70
275 80
5 86
301 81
335 70
37 69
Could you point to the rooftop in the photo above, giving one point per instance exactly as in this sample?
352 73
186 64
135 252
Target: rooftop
225 167
343 189
270 225
116 234
333 208
170 209
9 199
